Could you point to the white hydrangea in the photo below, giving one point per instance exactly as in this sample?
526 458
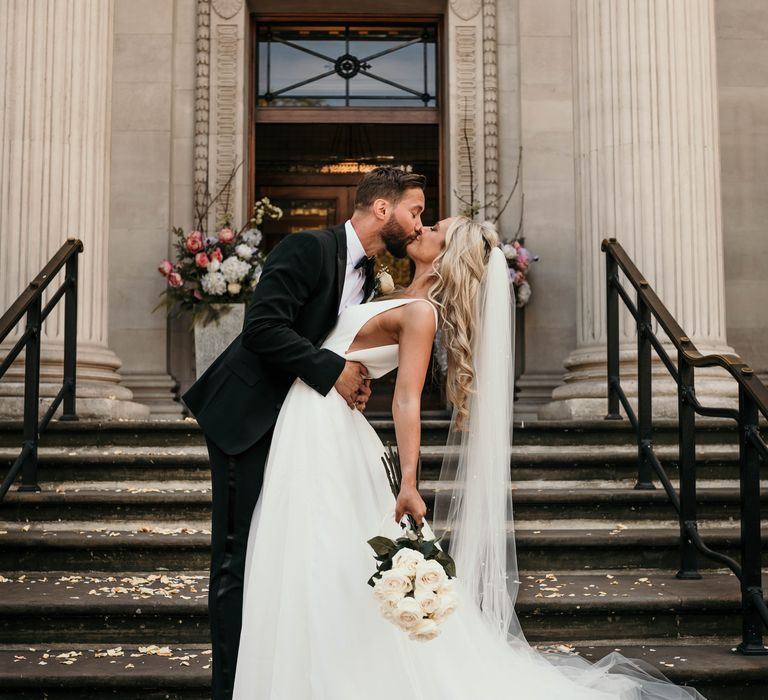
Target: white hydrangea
244 251
510 252
214 283
523 293
234 269
252 237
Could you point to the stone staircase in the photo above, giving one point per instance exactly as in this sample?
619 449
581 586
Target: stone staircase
104 581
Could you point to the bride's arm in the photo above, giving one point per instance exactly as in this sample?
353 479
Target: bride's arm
416 335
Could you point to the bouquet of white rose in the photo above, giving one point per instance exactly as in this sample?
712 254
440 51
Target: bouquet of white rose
412 581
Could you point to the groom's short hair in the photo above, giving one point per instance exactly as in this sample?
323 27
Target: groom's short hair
386 183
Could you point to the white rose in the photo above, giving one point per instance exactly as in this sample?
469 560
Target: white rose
388 601
407 614
214 265
244 251
425 631
394 580
447 603
407 559
430 575
386 283
428 600
234 288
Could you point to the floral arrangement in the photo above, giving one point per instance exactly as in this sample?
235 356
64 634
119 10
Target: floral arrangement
219 269
412 581
518 261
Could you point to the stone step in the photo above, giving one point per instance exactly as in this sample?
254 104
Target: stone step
165 501
528 462
124 671
434 426
171 608
184 546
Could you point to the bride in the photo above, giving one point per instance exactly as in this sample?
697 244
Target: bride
312 628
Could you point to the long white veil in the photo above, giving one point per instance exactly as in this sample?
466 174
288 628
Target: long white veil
476 511
473 505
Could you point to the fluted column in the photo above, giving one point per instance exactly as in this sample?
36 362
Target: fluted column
56 63
648 174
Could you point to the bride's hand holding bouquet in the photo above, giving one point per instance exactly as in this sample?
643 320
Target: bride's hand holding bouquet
409 502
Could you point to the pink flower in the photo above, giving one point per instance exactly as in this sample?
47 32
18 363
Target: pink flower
519 277
202 260
194 242
216 254
166 267
197 294
226 235
174 279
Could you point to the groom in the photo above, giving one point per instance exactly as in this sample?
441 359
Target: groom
307 281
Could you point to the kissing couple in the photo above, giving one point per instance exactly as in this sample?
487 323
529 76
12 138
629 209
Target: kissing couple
299 487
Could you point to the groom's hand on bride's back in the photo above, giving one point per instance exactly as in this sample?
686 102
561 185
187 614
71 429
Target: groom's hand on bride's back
352 385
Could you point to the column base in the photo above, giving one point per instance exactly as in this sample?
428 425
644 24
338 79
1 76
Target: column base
100 392
533 391
583 395
157 391
94 402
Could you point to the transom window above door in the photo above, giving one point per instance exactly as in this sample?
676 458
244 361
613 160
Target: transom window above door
347 65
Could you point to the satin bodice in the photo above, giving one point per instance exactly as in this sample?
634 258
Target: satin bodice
378 360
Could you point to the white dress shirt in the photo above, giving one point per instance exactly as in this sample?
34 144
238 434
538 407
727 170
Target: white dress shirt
354 280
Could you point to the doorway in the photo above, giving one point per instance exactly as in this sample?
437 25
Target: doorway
331 100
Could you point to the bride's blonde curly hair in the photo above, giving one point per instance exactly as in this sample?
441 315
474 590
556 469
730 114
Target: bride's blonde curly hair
459 271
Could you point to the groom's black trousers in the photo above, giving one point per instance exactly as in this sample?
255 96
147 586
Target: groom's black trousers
235 483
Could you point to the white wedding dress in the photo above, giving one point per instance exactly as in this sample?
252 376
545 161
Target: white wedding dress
312 629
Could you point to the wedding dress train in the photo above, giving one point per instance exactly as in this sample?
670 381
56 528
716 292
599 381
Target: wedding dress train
312 629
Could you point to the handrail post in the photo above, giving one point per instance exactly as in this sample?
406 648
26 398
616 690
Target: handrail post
749 486
644 396
687 467
32 396
69 412
611 276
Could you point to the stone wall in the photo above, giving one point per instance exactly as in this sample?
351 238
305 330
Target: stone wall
546 106
153 171
742 46
142 192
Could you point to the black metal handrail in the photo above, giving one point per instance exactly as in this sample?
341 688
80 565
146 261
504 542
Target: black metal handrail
30 303
753 400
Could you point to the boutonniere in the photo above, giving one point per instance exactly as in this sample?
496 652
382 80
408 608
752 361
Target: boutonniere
384 283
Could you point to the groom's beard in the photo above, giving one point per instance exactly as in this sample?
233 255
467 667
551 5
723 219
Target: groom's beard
394 237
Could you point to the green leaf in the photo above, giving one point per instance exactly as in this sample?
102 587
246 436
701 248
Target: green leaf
428 549
383 546
447 563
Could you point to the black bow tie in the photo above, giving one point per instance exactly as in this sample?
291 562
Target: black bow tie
366 263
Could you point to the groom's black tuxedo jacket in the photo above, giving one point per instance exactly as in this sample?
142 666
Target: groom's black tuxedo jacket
293 309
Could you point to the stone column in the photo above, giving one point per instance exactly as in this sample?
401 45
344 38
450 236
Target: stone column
56 64
648 174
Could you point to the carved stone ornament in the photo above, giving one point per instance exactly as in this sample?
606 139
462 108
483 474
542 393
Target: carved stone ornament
227 9
466 9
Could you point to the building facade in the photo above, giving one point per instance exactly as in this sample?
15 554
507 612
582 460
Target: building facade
643 120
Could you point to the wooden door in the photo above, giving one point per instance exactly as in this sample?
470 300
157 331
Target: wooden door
305 208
